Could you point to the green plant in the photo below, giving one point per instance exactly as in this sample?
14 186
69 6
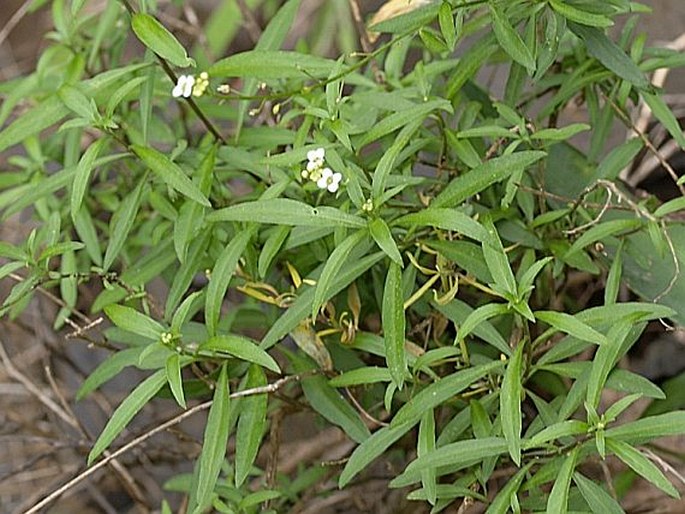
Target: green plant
413 232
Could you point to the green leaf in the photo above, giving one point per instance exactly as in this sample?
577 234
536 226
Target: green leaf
383 237
510 403
108 369
82 176
394 325
510 40
187 221
641 465
619 158
133 321
646 429
171 173
158 39
361 376
557 502
560 430
325 400
272 64
447 26
388 162
213 445
402 118
571 325
478 316
284 211
560 134
583 17
445 219
665 115
425 445
370 449
606 358
271 248
173 375
125 412
332 268
462 453
121 223
417 17
240 347
501 503
602 231
497 260
457 311
483 176
610 54
78 102
251 423
221 277
441 391
613 283
596 497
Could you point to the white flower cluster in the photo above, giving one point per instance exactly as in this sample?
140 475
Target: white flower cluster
317 172
188 85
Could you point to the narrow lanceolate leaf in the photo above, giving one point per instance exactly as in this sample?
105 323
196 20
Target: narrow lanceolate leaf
158 39
336 261
251 425
271 248
596 497
173 375
370 449
557 502
501 503
171 173
133 321
603 230
394 325
284 211
401 118
583 17
388 161
445 219
325 400
605 359
125 412
462 452
497 260
641 465
121 223
646 429
665 115
440 391
272 64
571 325
610 54
483 176
510 403
221 277
510 40
240 347
82 176
479 315
425 445
383 237
213 445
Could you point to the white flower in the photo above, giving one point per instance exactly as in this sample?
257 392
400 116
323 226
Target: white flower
315 158
184 86
329 180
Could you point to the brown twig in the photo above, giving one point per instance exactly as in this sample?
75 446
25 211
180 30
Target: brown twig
251 25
